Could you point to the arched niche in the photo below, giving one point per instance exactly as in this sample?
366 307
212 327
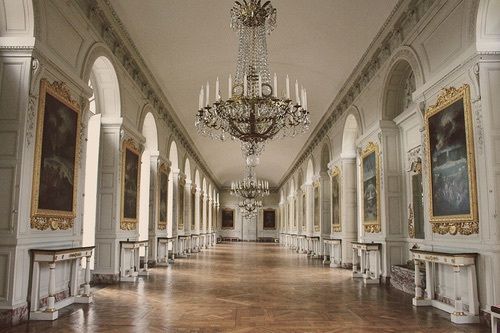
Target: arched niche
148 174
488 26
349 136
17 21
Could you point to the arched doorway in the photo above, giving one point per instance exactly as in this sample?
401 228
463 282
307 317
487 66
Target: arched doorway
103 105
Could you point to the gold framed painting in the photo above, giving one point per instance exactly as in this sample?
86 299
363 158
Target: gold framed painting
303 203
131 165
163 182
55 169
180 218
193 203
228 218
370 188
317 207
451 166
269 219
335 199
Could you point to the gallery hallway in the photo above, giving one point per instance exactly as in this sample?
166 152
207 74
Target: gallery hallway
248 287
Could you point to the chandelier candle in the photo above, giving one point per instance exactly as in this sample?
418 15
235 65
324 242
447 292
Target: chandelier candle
252 113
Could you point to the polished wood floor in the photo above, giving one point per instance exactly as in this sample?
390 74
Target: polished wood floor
247 287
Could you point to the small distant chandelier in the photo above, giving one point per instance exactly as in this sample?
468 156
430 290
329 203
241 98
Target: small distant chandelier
253 112
250 207
250 187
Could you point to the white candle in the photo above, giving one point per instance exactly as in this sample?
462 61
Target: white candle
200 99
245 85
230 87
202 95
275 86
305 97
207 97
217 96
260 85
297 98
287 88
302 98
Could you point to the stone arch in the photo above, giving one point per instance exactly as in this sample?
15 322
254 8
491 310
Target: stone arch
187 168
310 171
173 156
149 130
17 20
100 68
350 134
405 74
488 26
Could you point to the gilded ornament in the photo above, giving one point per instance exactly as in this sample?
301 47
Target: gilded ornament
464 223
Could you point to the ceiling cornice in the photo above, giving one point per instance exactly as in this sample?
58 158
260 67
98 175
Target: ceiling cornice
404 18
108 25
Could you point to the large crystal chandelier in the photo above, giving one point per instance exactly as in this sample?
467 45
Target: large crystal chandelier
253 112
249 207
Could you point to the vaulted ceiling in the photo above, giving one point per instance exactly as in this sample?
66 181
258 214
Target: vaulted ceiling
185 43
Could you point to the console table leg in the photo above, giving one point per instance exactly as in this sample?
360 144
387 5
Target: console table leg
52 288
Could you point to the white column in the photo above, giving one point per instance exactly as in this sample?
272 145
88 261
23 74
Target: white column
52 288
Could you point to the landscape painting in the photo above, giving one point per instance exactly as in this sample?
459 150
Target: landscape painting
370 188
130 183
163 195
451 160
56 158
335 195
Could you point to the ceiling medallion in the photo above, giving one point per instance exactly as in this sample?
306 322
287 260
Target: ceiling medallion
253 113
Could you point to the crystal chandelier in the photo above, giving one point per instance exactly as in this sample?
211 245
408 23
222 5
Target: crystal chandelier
253 112
249 207
250 187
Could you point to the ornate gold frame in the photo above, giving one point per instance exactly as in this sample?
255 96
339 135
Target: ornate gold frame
465 224
303 219
164 169
128 223
269 210
335 173
193 207
316 186
227 210
43 219
181 210
372 226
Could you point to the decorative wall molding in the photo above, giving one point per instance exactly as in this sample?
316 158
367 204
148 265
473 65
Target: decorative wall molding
109 27
385 44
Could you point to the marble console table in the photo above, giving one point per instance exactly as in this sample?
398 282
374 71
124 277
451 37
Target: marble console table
301 244
365 271
458 261
495 316
53 256
313 246
195 239
183 244
163 242
334 252
129 274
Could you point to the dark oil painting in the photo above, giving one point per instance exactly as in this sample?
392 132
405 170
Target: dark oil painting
227 219
269 219
449 170
335 200
370 188
57 165
130 184
163 196
193 203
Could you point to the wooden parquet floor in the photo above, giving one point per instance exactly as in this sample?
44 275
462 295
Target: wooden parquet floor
248 287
